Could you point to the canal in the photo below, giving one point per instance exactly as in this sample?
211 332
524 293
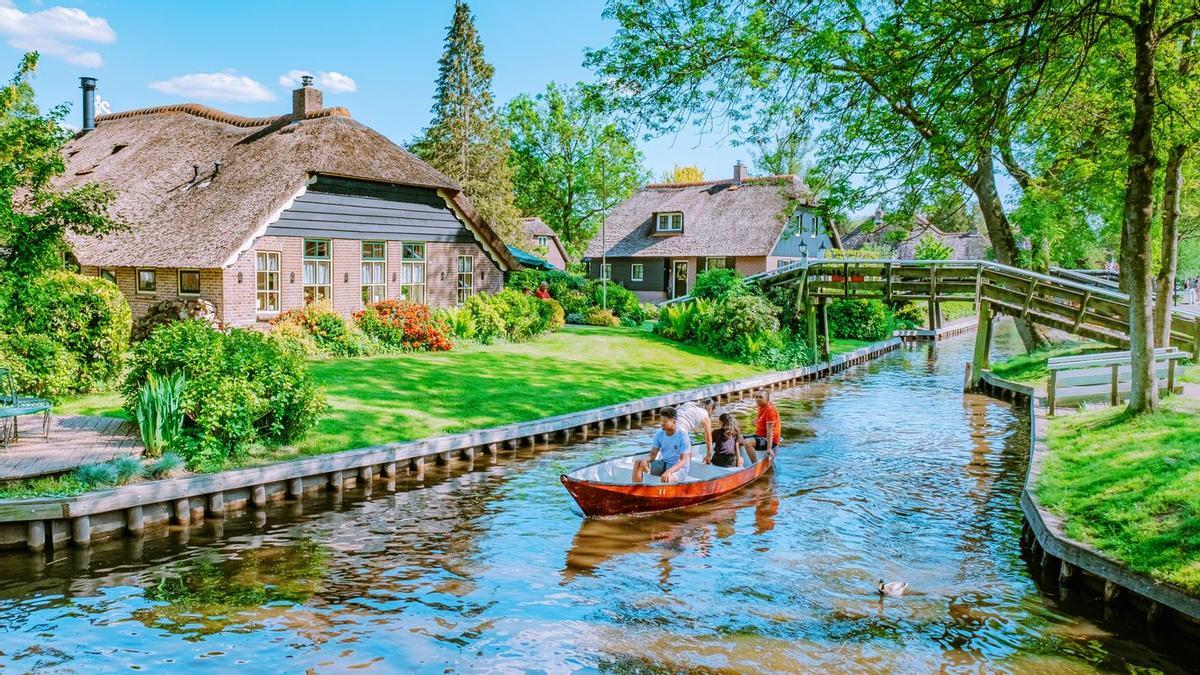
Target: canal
890 471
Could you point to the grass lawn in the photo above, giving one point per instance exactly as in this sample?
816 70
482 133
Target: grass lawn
1031 367
103 403
1129 487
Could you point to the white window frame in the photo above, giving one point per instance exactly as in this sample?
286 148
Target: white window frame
637 272
465 291
783 262
259 291
317 263
109 273
606 272
543 240
372 267
708 264
179 282
137 281
414 273
671 221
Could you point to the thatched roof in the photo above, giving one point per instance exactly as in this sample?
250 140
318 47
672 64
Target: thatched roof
720 218
535 227
148 155
966 245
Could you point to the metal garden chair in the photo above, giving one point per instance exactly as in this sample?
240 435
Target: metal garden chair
13 406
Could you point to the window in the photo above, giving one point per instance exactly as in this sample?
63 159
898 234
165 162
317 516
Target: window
466 277
714 263
783 262
374 271
108 274
146 281
266 268
606 271
189 282
318 271
544 241
412 272
670 222
637 272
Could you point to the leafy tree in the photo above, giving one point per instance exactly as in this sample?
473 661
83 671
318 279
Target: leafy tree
932 248
465 139
683 174
573 164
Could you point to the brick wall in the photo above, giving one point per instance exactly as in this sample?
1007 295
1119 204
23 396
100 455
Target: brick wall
748 266
166 286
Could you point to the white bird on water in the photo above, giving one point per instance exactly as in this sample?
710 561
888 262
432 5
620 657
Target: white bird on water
893 588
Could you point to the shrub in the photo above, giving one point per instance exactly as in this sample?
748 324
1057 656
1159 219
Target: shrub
96 475
327 330
575 302
126 469
650 311
600 317
779 351
402 324
170 311
736 324
86 315
489 325
554 314
858 319
521 314
559 283
167 466
681 321
242 387
159 411
40 365
910 315
622 301
718 284
460 322
932 248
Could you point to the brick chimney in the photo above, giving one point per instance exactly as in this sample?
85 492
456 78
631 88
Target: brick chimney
306 99
739 172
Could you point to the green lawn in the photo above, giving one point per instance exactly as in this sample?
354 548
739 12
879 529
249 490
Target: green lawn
103 403
1130 487
1031 367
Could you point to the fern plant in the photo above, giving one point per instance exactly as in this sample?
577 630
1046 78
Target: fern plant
159 411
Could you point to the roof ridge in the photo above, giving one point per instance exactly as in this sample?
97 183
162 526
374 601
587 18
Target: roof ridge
723 181
215 115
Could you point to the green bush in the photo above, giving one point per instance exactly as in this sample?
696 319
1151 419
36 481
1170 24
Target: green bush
932 248
782 350
650 311
94 476
553 314
681 321
460 322
242 388
159 411
522 315
736 324
559 283
40 365
127 469
597 316
404 325
718 284
167 466
858 319
575 302
86 315
327 330
623 302
489 325
908 315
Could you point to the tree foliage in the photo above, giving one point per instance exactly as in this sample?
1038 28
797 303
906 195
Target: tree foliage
465 139
573 163
683 174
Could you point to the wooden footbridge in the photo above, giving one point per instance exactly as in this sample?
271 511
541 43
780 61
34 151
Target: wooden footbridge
1090 310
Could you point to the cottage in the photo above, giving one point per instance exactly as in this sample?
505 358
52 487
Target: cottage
544 241
655 242
258 216
903 242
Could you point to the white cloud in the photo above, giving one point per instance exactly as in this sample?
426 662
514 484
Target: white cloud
226 85
327 80
55 31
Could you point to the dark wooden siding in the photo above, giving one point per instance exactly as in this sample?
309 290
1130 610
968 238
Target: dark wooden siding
622 273
339 208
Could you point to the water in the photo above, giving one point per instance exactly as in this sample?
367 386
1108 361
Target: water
891 472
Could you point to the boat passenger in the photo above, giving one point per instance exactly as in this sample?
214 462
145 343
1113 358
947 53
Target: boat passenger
670 452
693 416
766 427
727 442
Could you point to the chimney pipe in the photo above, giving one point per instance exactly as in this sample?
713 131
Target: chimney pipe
739 172
88 85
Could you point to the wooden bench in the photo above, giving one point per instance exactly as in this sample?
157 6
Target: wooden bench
1104 376
13 406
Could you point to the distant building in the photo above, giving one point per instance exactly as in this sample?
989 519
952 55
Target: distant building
262 215
657 241
970 245
542 237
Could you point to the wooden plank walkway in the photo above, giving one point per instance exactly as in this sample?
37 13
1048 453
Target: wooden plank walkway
73 442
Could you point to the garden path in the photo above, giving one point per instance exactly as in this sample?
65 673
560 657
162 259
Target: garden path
74 441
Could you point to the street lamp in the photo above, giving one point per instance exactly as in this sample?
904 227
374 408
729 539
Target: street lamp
603 267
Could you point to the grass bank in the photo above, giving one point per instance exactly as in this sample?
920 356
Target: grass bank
1130 487
1031 368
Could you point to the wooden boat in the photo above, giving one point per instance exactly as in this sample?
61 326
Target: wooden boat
606 488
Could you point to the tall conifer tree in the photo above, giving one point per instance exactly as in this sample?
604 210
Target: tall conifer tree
465 140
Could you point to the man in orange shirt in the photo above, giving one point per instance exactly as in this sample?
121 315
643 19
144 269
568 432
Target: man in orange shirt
766 427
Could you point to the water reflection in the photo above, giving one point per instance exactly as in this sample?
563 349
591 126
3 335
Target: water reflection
889 471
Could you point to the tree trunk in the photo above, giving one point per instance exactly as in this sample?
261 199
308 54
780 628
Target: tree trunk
1139 212
1170 245
1004 244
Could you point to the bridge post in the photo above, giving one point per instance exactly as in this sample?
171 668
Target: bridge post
824 330
983 343
810 320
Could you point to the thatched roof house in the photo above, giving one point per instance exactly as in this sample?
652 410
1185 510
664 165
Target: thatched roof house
316 191
903 242
542 236
656 241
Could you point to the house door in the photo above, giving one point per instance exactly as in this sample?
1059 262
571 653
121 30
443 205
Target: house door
680 279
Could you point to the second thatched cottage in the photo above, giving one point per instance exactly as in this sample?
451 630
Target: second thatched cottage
658 240
262 215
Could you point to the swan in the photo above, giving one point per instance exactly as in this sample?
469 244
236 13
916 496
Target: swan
894 588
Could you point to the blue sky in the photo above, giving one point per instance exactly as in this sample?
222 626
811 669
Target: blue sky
231 55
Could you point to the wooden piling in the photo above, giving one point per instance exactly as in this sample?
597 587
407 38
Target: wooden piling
295 488
35 535
134 523
216 505
389 470
182 512
418 467
366 474
337 482
81 531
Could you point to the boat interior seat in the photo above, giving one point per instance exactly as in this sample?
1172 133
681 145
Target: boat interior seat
620 471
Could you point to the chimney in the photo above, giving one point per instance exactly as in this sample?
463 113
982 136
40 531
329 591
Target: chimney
306 99
739 172
88 85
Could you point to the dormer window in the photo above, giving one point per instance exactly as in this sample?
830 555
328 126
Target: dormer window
669 223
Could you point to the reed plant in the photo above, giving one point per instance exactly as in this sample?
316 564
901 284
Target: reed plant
159 411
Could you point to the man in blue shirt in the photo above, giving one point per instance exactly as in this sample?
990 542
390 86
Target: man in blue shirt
670 452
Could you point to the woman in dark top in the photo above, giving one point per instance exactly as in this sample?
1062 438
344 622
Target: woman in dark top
727 441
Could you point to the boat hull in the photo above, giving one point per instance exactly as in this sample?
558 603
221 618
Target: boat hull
611 499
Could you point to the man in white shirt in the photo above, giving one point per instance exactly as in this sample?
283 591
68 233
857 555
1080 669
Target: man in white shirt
693 416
